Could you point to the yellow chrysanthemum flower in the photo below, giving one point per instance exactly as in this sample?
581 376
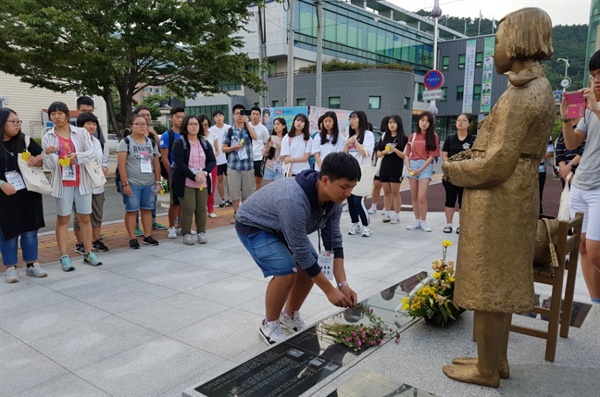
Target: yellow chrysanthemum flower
446 243
436 275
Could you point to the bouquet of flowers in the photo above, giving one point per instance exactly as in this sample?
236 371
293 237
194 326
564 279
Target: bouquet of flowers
433 298
164 186
163 196
360 337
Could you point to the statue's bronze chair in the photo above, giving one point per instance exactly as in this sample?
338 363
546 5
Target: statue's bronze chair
553 274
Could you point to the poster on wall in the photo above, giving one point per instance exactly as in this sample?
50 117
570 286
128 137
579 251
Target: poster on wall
487 77
467 106
288 114
342 116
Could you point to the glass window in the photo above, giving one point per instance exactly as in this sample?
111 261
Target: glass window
445 63
274 103
444 94
462 58
477 91
374 102
329 25
420 89
301 102
460 92
407 102
335 102
342 29
478 59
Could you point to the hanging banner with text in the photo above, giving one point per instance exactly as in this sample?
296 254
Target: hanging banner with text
467 106
487 77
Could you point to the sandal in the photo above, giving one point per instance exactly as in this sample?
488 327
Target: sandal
448 229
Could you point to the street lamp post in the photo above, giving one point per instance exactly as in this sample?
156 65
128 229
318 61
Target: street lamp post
566 77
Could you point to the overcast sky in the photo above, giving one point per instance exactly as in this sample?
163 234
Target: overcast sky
562 12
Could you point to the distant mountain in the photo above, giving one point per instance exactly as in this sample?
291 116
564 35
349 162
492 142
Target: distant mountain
569 41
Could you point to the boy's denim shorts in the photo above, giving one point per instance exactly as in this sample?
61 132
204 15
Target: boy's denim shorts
143 197
270 253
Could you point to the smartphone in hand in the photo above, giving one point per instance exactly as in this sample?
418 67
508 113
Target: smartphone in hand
576 104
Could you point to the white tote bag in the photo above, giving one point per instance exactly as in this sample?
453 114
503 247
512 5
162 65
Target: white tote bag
564 209
94 170
364 187
34 177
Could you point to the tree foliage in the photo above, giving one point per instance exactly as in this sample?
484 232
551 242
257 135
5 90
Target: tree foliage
97 46
569 41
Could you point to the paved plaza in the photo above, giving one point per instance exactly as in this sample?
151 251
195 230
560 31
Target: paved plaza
159 320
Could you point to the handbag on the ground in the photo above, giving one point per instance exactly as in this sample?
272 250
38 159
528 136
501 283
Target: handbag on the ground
34 177
94 170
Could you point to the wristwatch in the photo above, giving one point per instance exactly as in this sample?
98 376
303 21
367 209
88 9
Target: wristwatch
341 284
566 120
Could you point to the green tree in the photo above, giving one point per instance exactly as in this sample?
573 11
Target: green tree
97 46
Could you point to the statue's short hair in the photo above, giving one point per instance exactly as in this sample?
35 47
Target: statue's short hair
528 34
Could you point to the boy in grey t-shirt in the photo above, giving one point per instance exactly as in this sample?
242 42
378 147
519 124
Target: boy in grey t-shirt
585 190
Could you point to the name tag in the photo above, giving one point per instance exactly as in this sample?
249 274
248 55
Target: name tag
15 179
145 164
326 262
69 173
242 154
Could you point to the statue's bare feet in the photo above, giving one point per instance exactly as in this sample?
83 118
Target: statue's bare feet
504 368
470 374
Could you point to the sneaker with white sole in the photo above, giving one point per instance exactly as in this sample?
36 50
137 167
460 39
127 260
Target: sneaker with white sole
92 259
372 210
294 323
366 231
11 275
271 333
188 239
138 232
355 229
79 248
36 271
425 226
202 238
212 215
386 218
414 226
178 231
395 220
172 233
66 264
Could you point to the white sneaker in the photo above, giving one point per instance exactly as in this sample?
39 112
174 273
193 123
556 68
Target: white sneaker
395 220
355 229
372 210
188 239
414 226
178 231
386 218
202 238
294 323
425 226
36 271
366 231
212 215
270 332
172 233
11 275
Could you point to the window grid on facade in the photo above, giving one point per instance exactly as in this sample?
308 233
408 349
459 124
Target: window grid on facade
356 35
478 59
209 110
230 87
460 92
444 94
301 102
477 91
462 58
335 102
275 103
446 63
420 89
374 102
407 102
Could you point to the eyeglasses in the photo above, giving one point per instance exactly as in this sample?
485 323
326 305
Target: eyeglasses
193 125
140 124
15 122
145 115
594 76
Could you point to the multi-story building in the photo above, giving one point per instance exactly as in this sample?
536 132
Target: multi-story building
372 32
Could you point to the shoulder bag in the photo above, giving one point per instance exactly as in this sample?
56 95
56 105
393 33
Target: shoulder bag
34 177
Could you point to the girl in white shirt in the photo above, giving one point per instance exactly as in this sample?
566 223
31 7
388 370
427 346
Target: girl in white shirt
329 139
360 145
296 147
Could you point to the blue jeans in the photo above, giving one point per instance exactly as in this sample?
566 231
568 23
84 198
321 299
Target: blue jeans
29 246
356 208
142 197
270 253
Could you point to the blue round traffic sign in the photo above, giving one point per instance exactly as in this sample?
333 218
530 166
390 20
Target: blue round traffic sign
433 79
